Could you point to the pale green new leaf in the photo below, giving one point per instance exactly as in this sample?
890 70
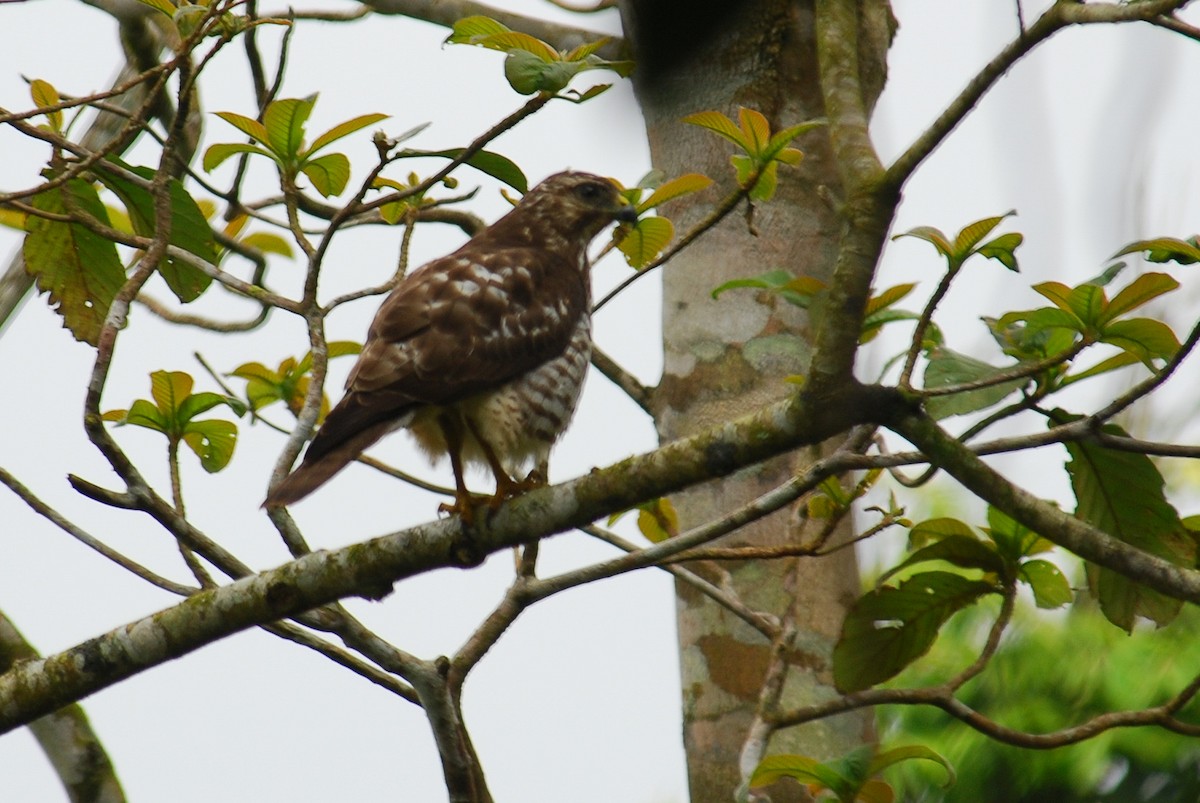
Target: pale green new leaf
284 120
804 769
1145 338
721 125
973 234
1050 587
676 187
930 235
1141 290
343 130
644 240
329 174
44 94
213 441
252 128
219 152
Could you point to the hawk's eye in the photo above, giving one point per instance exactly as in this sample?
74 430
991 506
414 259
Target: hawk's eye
589 192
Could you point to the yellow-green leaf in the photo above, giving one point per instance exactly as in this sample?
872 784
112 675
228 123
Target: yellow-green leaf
676 187
657 520
252 128
169 389
329 174
644 240
220 151
756 129
1140 291
213 441
284 120
344 129
267 243
721 125
44 94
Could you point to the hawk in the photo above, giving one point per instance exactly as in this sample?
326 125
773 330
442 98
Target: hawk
482 353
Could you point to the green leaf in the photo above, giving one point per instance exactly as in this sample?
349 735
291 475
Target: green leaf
947 368
720 125
1013 539
932 530
1122 494
973 234
657 520
644 240
169 389
887 758
493 164
329 174
189 230
888 297
1164 249
198 403
964 551
343 130
1144 338
1113 363
797 290
779 140
676 187
473 27
144 414
804 769
334 348
218 153
930 235
513 41
165 6
755 130
1003 250
1140 291
284 121
78 268
44 94
268 243
1050 586
250 127
889 628
528 73
213 442
586 49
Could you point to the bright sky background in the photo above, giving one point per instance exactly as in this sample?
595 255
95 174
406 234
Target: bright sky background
1092 140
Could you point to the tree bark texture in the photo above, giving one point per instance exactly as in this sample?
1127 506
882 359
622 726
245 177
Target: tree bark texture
726 356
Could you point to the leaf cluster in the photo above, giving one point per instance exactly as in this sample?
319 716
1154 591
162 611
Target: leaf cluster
173 409
532 65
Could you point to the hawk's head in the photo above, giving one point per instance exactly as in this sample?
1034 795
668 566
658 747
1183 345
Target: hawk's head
570 207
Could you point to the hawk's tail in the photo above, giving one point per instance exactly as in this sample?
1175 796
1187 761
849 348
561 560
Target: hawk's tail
316 469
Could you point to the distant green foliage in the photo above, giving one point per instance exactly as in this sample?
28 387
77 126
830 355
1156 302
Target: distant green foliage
1031 686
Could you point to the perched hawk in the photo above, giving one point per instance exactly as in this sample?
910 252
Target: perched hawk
480 354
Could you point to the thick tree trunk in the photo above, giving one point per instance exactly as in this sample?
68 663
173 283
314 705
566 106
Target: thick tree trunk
726 356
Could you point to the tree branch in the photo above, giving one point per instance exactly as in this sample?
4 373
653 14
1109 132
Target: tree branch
65 736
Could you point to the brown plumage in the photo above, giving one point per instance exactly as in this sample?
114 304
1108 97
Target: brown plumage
482 353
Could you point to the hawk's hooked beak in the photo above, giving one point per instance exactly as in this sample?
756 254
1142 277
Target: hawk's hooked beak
626 214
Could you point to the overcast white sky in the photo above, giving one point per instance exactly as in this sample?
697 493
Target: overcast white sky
1092 140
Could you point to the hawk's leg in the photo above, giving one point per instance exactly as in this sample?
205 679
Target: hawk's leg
506 486
452 430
